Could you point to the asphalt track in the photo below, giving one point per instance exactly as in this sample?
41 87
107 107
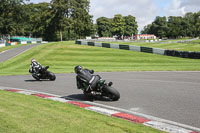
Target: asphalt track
5 55
172 96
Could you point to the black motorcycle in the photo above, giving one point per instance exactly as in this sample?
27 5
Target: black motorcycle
44 74
102 89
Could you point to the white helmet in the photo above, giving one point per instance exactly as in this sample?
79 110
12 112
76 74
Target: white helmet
33 60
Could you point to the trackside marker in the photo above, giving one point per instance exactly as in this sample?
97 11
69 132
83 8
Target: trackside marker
82 105
102 110
166 127
130 117
12 90
25 92
58 99
42 95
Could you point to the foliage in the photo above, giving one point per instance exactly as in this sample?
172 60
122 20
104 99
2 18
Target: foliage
130 26
175 26
66 17
82 25
118 25
11 17
104 27
40 20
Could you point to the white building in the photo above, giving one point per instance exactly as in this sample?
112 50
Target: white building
145 36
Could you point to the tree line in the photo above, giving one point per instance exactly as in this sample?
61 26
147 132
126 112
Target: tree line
117 26
57 20
70 19
175 26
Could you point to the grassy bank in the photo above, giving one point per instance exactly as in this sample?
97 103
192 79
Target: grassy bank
63 56
29 114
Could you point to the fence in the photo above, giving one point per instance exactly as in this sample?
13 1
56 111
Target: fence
183 54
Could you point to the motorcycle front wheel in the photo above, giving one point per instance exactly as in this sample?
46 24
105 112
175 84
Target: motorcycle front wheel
52 76
112 93
35 77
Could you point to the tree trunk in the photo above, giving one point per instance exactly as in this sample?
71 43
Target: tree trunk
61 38
69 34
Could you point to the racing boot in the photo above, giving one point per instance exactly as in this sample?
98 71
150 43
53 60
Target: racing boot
110 83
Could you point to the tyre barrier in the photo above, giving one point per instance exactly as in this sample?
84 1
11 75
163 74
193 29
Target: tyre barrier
8 43
182 54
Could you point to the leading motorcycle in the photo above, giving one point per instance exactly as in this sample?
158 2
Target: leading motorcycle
44 74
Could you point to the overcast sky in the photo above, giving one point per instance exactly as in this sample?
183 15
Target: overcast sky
145 11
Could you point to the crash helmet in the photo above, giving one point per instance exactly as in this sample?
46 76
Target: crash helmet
33 60
77 69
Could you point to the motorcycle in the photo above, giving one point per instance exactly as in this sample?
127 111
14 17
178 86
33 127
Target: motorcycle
102 89
44 74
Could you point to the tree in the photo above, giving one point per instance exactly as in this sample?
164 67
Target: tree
62 10
174 24
147 29
130 26
40 21
11 15
197 23
82 20
104 27
118 25
190 22
159 27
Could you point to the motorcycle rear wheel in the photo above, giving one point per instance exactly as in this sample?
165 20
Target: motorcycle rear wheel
112 93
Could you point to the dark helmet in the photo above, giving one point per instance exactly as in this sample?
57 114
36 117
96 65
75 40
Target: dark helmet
77 69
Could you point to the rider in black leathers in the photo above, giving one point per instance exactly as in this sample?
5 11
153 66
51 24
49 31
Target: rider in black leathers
36 67
85 80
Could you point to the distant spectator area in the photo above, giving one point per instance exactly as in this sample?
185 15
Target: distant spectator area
145 36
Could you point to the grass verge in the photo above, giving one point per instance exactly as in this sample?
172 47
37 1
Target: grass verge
28 114
63 56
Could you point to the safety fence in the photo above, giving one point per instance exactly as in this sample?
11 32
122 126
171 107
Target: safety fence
183 54
8 43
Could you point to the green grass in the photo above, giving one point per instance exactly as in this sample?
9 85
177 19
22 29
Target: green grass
63 56
189 46
28 114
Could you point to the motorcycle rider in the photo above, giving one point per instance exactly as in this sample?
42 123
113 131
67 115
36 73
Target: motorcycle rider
86 80
36 67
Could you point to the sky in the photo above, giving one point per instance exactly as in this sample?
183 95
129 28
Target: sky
145 11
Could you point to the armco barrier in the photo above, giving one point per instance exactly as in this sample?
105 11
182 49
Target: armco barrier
22 42
183 54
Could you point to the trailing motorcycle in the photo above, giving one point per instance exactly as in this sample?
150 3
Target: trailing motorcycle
44 74
102 89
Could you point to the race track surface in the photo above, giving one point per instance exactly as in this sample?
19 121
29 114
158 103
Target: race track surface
172 96
5 55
